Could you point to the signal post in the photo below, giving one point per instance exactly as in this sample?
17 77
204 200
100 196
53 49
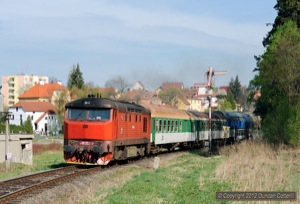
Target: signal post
210 73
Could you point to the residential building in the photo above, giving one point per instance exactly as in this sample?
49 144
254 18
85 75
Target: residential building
169 85
15 85
222 91
1 100
138 86
44 92
198 98
39 104
42 115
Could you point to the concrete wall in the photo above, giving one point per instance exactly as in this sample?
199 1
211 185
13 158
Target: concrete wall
19 148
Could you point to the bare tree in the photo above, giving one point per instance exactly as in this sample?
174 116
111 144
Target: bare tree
119 83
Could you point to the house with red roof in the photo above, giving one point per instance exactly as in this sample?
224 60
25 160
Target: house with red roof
38 103
42 115
43 92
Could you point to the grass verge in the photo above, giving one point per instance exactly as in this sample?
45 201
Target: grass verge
188 179
45 157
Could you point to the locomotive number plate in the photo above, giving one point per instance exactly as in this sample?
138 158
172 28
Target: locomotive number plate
86 143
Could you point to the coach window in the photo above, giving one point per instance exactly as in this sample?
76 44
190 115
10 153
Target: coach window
140 118
129 118
202 126
165 126
180 126
172 126
156 125
160 125
169 126
176 126
136 118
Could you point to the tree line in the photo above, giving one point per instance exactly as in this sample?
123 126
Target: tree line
278 77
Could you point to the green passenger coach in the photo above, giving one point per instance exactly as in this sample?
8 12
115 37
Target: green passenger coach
171 128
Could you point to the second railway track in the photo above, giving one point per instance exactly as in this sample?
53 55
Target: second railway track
15 190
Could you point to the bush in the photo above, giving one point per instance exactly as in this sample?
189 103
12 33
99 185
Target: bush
293 136
274 127
12 128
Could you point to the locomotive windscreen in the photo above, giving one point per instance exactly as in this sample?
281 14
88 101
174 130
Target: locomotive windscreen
88 114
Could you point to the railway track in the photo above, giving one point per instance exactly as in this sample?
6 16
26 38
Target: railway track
17 189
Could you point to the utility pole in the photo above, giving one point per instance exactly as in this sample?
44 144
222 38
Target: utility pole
210 73
7 116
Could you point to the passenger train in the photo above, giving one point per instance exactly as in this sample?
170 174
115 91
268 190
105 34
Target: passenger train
99 130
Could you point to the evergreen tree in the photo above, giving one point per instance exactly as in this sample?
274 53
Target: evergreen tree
230 100
235 88
278 80
75 78
287 10
28 125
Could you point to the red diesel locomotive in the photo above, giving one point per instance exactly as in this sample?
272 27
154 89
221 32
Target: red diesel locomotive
98 130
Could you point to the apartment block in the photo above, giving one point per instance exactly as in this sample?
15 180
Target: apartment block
15 85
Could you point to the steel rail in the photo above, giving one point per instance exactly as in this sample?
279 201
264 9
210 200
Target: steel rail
27 190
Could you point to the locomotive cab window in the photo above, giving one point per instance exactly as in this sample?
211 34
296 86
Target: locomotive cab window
102 114
76 114
88 114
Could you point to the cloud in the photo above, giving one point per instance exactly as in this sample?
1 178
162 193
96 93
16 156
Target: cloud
78 20
138 39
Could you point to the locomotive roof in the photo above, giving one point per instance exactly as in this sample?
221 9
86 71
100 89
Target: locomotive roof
237 115
248 117
165 112
197 114
218 115
106 103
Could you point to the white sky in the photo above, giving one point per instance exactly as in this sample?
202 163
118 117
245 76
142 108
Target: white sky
152 41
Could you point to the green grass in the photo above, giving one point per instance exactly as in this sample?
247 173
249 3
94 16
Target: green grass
45 157
188 180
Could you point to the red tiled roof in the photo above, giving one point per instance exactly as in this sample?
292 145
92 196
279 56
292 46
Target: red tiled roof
168 85
224 88
42 91
35 106
108 90
200 84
